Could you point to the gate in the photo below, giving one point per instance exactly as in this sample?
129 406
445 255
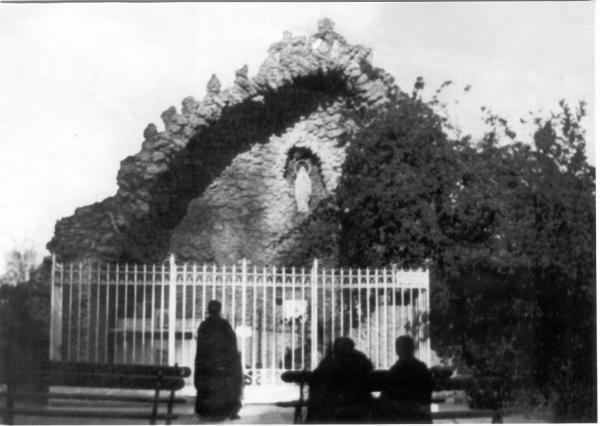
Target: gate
284 317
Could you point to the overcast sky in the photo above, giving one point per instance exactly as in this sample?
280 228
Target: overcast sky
79 82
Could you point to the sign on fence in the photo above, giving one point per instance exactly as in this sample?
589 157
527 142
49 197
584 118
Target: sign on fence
284 317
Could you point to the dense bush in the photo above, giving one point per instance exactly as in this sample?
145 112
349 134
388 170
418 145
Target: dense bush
508 230
24 318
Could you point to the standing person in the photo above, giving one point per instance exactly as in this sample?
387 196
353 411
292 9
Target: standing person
407 396
339 389
218 370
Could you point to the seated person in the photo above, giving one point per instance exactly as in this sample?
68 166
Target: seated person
339 388
407 396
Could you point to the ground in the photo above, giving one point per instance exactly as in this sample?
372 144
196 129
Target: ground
250 414
258 409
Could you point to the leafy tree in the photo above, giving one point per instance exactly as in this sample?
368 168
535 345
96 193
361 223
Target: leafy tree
19 265
507 229
24 312
562 252
395 180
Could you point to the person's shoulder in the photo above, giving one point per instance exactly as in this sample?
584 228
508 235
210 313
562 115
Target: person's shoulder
323 368
224 323
363 358
396 367
358 353
422 364
421 367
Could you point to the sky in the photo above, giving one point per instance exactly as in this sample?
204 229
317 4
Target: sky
80 82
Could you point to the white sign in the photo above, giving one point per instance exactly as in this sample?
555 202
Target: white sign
243 331
293 309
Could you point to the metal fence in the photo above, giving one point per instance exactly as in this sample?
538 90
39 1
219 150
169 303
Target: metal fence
284 318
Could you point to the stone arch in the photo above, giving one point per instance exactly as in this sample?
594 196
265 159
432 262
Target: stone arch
301 76
208 153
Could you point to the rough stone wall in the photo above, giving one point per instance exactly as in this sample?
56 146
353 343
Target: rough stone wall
215 184
250 209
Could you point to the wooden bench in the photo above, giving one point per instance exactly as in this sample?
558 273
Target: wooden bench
379 378
155 378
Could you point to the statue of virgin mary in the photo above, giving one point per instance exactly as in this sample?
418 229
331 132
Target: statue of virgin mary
302 186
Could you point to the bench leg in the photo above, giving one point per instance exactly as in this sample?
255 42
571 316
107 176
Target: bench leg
170 407
298 414
155 407
9 405
298 408
9 416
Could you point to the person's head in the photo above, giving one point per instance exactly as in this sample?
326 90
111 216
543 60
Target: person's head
405 347
214 308
342 346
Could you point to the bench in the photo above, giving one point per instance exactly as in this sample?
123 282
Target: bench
379 378
156 378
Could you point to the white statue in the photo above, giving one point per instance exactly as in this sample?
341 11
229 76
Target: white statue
303 187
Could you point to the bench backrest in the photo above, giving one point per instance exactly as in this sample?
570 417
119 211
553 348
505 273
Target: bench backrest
120 381
120 376
379 378
131 369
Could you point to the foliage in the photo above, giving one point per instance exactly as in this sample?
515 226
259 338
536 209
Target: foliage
24 307
24 320
508 229
19 265
320 235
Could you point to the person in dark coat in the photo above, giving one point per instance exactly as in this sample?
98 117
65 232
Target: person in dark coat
218 374
339 388
407 396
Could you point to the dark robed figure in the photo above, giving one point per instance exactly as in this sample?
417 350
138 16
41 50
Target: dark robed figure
339 390
218 370
407 397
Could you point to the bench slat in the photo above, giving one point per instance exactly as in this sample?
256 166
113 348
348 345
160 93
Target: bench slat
378 378
296 403
462 414
290 404
86 413
109 380
134 369
95 397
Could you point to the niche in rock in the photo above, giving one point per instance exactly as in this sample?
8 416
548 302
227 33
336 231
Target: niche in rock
303 173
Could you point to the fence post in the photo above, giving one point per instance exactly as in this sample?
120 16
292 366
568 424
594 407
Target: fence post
56 297
427 310
314 333
172 309
243 324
